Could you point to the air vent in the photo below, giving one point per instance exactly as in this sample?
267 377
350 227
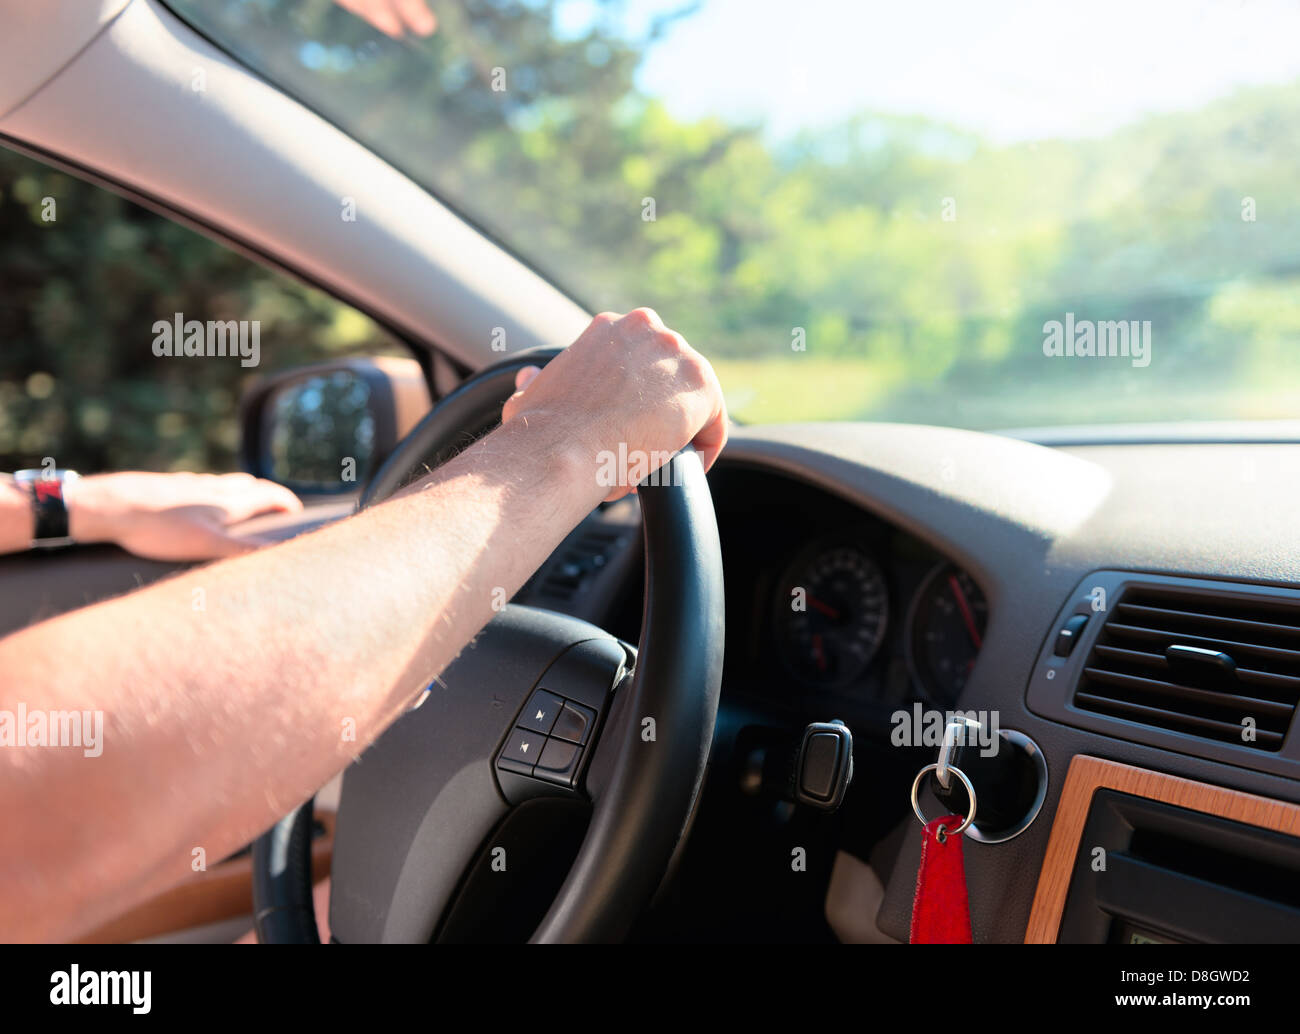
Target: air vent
1198 663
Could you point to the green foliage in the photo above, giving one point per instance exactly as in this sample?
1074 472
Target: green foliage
84 279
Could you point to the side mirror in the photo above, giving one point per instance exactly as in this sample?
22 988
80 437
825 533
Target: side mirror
323 429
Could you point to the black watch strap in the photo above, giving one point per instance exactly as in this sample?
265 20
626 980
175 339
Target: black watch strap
49 508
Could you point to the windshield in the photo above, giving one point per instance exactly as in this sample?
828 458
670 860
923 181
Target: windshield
991 215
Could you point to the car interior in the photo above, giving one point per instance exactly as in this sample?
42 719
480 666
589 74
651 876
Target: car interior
1115 606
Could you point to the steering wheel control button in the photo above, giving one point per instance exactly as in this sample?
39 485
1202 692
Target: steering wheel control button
558 762
574 723
1069 635
541 711
522 750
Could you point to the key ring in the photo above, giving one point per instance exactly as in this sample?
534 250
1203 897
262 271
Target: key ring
970 792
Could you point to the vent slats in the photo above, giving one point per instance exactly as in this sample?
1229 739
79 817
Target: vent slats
1235 647
1247 697
1180 617
1165 718
1230 702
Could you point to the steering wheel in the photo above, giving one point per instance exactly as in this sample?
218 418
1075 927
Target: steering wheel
543 727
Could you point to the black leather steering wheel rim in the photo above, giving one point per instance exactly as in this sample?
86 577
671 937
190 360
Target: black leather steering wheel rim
460 418
283 910
645 805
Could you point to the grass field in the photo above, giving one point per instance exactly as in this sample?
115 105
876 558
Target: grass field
761 391
787 389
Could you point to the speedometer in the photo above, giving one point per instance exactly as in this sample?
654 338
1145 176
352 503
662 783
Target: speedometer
830 615
946 632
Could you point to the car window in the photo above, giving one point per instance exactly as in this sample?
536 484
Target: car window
101 365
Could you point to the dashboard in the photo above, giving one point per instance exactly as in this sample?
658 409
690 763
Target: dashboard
1172 559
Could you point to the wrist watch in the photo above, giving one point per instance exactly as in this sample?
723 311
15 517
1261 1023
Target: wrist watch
49 508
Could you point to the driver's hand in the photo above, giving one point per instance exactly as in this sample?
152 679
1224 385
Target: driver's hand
633 388
172 516
394 17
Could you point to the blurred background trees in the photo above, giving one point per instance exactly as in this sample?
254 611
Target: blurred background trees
79 295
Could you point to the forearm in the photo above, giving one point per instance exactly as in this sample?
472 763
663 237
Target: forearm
16 520
227 692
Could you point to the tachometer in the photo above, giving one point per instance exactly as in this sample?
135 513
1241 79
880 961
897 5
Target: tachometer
946 632
830 615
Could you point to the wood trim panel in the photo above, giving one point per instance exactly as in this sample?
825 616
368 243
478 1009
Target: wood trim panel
223 892
1089 774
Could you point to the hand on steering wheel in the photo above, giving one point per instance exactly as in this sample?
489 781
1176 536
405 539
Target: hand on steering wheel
420 811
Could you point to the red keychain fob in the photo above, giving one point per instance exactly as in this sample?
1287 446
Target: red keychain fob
940 909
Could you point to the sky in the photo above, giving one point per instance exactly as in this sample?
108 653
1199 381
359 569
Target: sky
1007 69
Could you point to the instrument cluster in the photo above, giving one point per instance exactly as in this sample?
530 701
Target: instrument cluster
835 610
836 602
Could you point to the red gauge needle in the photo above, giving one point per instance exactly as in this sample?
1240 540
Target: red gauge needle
966 614
823 608
818 653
